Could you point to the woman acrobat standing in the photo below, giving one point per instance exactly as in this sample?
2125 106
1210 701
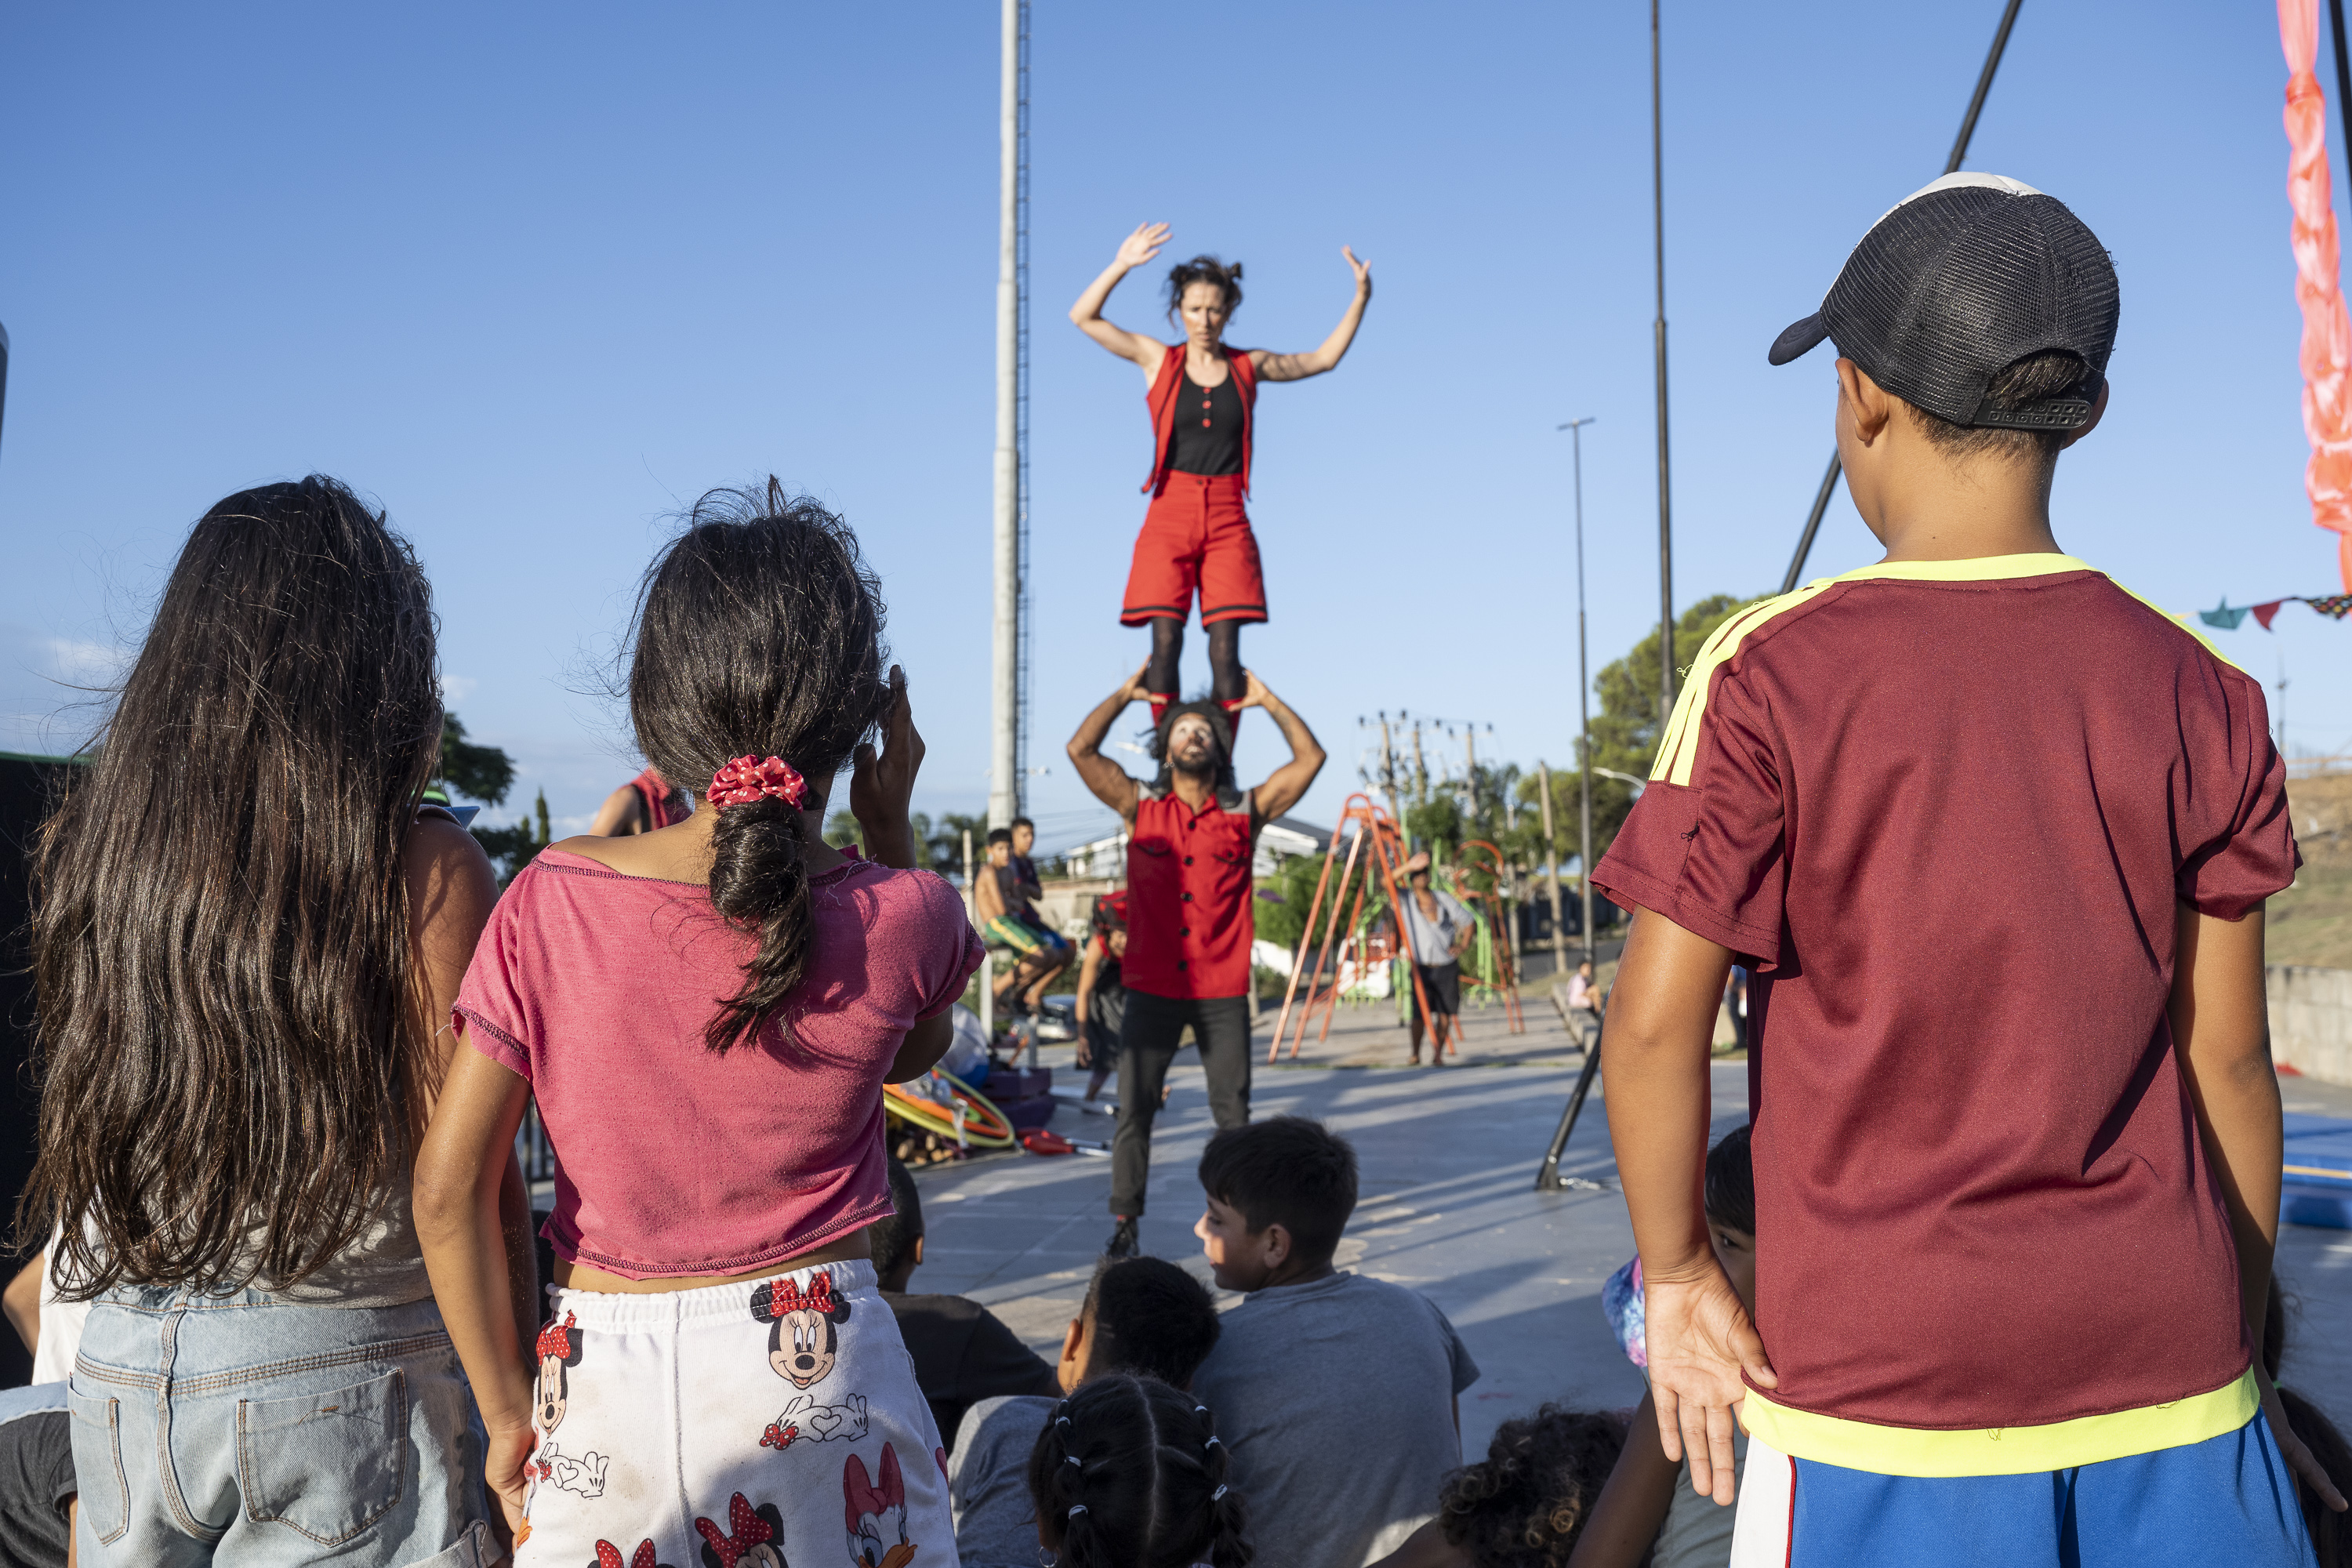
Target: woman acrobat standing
1196 537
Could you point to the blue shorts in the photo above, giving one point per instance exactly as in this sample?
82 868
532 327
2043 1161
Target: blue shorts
2229 1500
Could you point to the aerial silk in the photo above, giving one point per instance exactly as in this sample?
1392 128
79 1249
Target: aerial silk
2326 335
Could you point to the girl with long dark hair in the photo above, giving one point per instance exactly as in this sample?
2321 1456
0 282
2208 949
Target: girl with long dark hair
706 1014
1196 538
246 939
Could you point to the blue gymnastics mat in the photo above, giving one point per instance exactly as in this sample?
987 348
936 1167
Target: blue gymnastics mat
2318 1189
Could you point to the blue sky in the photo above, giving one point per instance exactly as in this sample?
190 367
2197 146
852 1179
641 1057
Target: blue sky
536 278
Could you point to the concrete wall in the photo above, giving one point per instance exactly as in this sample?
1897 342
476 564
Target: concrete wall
2311 1020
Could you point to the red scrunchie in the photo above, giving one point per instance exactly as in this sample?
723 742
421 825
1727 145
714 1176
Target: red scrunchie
746 779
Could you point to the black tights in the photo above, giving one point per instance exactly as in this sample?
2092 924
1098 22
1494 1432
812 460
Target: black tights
1224 659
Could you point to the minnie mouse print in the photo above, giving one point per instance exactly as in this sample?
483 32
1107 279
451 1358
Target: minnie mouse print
559 1352
754 1536
803 1341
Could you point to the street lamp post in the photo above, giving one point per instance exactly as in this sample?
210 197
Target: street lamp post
1575 428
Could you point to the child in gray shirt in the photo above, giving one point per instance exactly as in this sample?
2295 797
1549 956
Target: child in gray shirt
1337 1394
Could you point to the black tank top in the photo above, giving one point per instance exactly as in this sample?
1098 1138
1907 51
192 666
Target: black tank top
1207 434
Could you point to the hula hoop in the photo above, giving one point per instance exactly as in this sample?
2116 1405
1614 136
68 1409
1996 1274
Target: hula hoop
984 1124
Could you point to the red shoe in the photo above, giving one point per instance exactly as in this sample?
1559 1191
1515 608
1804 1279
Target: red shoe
1160 702
1233 717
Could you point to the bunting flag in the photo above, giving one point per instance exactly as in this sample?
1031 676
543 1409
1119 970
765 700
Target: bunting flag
2224 618
2326 333
2335 606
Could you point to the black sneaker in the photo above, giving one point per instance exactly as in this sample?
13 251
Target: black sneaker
1123 1242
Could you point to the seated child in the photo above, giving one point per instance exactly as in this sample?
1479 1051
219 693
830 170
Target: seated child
1649 1499
963 1353
1527 1504
1142 1316
1130 1474
1338 1392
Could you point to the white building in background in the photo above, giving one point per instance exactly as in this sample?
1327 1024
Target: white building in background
1277 841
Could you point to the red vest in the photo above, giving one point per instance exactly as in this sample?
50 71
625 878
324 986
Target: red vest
1161 400
1190 915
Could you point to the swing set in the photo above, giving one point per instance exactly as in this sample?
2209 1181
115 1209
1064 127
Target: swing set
1376 856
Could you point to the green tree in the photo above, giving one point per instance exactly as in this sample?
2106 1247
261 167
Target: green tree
479 772
1625 731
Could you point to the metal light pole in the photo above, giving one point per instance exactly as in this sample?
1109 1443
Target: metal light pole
1575 428
1005 687
1951 164
1665 505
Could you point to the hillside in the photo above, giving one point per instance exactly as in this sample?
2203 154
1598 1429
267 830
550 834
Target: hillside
2311 923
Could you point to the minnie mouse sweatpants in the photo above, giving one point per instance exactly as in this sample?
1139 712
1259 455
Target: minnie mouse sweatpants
741 1425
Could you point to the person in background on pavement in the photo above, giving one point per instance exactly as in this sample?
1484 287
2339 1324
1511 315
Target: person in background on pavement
1007 919
642 805
1191 910
1650 1513
1527 1504
1101 1006
1585 1002
1143 1317
1440 929
1340 1393
963 1353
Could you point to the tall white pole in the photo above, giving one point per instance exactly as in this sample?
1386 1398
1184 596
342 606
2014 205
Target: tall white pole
1005 687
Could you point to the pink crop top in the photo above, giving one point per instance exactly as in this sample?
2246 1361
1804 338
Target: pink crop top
595 986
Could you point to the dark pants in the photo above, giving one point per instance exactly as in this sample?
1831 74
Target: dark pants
1221 1026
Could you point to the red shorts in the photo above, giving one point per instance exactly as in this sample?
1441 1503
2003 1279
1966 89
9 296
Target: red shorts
1196 537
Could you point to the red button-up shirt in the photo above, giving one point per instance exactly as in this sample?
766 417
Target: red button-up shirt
1190 919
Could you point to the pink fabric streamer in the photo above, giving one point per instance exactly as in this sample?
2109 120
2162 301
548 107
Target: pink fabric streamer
2326 335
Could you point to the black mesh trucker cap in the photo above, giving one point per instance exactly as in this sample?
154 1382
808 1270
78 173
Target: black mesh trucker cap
1960 282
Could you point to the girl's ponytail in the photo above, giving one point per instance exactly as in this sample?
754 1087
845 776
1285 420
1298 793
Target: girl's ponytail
759 647
758 882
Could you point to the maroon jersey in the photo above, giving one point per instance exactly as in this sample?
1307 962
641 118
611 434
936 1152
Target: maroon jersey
1190 916
1950 810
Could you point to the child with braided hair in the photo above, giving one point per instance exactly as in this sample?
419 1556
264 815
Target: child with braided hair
1130 1473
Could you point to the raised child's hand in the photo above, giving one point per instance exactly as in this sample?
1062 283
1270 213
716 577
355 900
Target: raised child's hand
1699 1341
880 785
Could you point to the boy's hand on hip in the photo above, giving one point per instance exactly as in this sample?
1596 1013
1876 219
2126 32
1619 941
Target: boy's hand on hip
1699 1342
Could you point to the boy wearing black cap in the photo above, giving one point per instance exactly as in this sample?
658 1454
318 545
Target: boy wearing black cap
1995 837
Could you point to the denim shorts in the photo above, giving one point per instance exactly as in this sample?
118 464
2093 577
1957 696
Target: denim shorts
236 1426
